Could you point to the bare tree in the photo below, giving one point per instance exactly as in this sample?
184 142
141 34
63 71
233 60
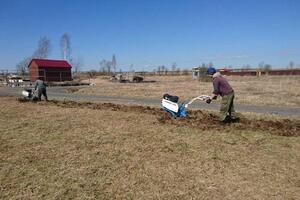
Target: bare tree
77 63
178 71
43 49
291 64
246 67
163 68
22 66
102 65
261 65
114 63
267 67
166 70
105 66
202 70
131 68
159 69
92 73
65 45
174 65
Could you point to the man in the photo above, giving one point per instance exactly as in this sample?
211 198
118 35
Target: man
222 88
40 86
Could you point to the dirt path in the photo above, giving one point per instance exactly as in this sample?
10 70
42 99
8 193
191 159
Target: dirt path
60 93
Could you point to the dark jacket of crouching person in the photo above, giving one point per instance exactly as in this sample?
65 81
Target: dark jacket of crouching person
40 86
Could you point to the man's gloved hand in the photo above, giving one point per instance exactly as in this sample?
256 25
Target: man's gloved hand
208 101
214 97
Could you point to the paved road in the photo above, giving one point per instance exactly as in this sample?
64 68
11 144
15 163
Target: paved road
60 93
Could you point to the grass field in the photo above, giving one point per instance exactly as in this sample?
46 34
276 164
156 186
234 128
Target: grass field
69 150
265 90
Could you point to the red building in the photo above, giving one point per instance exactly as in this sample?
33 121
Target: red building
50 70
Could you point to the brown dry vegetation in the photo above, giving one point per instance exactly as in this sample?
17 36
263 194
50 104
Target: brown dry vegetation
69 150
265 90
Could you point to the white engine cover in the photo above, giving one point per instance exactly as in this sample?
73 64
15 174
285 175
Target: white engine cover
25 93
170 105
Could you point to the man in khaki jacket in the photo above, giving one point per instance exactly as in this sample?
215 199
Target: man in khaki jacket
222 88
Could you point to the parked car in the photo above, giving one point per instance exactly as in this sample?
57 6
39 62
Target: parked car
127 77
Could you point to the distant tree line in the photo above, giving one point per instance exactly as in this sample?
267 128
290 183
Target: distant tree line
43 51
267 67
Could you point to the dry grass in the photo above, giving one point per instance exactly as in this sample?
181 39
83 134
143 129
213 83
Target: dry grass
267 90
51 152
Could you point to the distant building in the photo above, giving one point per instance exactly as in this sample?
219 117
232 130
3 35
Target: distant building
198 72
50 70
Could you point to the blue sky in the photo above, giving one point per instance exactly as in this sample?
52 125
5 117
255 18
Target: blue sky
147 33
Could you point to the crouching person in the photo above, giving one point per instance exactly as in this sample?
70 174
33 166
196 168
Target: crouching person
40 87
222 88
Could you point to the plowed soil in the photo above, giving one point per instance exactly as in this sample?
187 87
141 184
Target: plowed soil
203 120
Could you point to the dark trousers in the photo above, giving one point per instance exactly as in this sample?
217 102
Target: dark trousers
42 92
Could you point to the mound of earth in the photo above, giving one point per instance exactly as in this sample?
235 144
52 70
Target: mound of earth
206 120
203 120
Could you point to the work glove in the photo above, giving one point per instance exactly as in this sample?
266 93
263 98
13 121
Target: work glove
208 101
214 97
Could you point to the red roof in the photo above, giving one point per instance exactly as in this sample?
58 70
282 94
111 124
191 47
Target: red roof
50 63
